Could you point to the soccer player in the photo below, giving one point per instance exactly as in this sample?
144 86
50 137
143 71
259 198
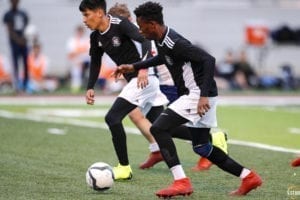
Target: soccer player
136 115
121 40
192 70
170 90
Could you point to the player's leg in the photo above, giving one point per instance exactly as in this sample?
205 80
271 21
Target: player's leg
15 58
24 54
143 124
154 113
113 118
155 155
151 101
217 138
160 129
203 147
181 132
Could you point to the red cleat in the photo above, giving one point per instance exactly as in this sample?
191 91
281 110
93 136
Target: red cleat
153 158
250 182
181 187
296 162
203 164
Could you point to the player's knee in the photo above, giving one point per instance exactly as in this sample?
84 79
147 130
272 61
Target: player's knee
155 130
203 150
112 119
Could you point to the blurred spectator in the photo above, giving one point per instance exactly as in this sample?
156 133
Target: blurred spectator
78 55
5 75
16 21
31 34
37 66
245 77
269 82
288 78
225 71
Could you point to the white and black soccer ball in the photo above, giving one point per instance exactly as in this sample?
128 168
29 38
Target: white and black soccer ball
100 176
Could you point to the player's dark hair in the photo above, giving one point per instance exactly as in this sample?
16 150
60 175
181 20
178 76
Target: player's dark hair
150 11
92 5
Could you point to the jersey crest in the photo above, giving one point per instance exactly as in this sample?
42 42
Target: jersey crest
116 41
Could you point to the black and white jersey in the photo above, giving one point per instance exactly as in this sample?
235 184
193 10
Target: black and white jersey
191 67
122 42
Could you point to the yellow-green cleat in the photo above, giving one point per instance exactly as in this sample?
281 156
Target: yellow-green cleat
122 172
219 139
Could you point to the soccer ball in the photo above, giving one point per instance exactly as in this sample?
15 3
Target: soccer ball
100 176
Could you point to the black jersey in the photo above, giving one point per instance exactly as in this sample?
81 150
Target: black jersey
190 66
123 44
18 20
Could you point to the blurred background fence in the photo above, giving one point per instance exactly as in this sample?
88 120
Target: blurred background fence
216 25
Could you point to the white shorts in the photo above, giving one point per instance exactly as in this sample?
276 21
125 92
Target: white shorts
144 98
186 106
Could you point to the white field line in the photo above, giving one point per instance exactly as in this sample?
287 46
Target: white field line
264 146
60 120
256 100
84 123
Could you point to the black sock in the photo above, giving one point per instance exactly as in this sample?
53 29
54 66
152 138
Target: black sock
119 142
161 129
166 146
223 161
120 108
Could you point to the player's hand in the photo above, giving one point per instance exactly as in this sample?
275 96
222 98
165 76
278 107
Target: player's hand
203 106
90 97
142 78
121 70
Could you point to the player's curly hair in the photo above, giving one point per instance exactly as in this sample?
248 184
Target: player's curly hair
92 5
150 11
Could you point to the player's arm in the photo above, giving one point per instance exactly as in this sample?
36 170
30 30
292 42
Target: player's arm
126 68
95 66
153 61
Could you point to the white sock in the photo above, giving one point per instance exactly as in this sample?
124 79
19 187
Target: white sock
153 147
245 172
178 172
